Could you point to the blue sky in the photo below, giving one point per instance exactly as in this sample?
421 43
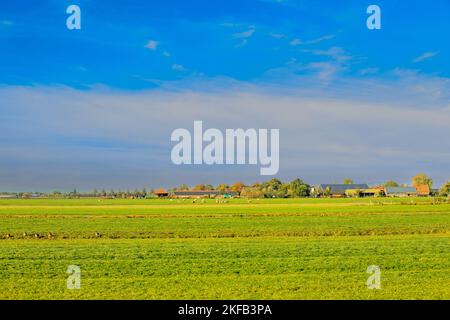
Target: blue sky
90 108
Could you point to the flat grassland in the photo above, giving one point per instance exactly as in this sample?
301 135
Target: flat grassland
239 249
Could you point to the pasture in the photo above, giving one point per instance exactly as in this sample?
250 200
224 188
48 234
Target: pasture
239 249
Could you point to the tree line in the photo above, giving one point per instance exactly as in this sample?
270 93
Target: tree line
273 188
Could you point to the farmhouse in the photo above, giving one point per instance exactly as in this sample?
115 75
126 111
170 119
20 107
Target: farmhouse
160 193
423 190
337 190
202 194
8 196
400 191
361 193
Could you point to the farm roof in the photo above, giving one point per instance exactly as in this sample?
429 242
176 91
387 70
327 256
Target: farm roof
341 188
423 189
401 190
196 192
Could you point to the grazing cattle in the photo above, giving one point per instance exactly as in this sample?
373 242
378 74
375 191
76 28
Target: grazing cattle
98 235
49 236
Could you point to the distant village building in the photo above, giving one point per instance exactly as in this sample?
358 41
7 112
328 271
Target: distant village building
161 193
423 190
401 191
202 194
336 190
362 193
8 196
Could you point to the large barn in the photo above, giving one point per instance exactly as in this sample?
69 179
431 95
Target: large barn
337 190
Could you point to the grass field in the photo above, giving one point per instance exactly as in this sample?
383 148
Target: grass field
263 249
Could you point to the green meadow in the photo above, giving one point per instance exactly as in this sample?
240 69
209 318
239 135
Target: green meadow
238 249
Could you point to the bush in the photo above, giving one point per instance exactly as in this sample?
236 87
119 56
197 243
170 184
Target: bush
252 193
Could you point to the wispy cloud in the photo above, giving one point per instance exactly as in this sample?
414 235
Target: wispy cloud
6 23
244 34
368 71
152 45
277 35
88 151
336 53
231 25
81 68
297 41
320 39
178 67
242 43
425 56
325 71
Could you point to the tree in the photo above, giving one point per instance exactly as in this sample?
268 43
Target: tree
297 188
237 186
251 192
222 188
445 190
347 181
422 179
391 183
26 195
57 193
257 185
200 187
274 188
183 187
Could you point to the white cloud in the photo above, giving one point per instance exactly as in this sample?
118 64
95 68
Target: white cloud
335 53
244 34
6 23
242 43
152 45
178 67
368 71
320 39
277 35
166 54
295 42
425 56
104 137
81 68
231 25
325 71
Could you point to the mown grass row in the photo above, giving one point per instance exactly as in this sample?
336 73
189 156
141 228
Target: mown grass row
272 250
242 225
413 267
173 202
